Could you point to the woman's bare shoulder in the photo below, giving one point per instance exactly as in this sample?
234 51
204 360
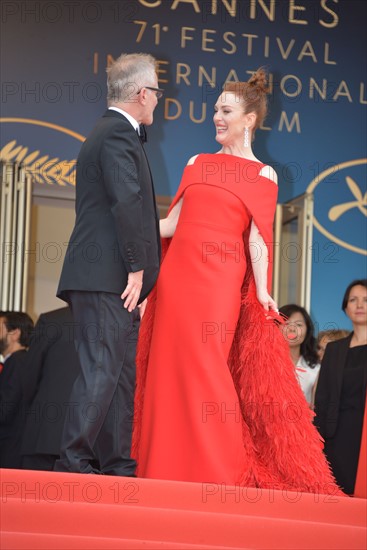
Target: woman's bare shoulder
192 160
269 173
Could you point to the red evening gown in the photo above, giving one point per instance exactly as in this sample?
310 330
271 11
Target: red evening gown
217 399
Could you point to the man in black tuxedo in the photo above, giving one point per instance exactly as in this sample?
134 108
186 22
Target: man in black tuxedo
110 267
15 333
52 366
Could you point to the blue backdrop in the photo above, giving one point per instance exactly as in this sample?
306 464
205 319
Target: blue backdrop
54 56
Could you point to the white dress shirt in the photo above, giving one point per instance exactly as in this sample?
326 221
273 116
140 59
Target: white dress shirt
134 123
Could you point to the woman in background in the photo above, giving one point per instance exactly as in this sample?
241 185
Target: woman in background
341 390
326 336
299 334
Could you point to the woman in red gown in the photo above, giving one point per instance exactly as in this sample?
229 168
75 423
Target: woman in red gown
217 399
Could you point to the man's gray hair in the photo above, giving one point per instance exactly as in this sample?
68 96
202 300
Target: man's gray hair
128 74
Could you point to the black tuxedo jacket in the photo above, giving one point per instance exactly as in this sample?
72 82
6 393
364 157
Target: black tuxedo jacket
11 417
329 386
117 226
52 365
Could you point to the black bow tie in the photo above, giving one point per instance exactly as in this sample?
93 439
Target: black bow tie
142 133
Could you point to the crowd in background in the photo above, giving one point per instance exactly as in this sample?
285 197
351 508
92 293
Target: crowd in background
39 365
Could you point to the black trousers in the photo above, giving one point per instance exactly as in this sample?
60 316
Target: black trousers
39 462
98 426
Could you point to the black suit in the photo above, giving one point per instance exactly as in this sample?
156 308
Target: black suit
117 224
339 406
329 387
51 369
11 418
116 232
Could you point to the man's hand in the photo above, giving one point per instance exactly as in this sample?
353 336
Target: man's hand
132 291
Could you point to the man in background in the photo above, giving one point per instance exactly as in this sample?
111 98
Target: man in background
52 366
15 333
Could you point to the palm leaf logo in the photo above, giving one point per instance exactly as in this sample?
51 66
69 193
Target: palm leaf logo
44 170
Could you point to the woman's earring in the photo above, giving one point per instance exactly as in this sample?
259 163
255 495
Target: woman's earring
246 138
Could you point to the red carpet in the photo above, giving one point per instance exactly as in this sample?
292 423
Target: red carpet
45 510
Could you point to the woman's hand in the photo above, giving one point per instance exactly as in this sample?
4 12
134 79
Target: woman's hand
167 226
142 307
266 301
